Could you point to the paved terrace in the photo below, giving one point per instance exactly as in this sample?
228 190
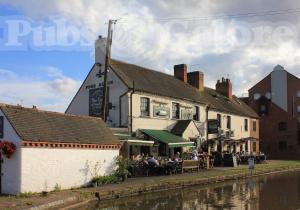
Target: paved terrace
135 186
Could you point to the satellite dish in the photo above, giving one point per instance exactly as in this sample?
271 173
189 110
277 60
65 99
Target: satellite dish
268 95
256 96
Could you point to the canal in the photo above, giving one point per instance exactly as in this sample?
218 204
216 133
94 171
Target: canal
271 192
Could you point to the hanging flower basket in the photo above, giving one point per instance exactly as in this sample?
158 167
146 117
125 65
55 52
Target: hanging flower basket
7 148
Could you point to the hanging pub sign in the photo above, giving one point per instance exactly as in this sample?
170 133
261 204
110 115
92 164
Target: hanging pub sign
1 126
213 126
95 102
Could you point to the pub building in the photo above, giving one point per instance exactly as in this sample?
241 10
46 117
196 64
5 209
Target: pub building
161 114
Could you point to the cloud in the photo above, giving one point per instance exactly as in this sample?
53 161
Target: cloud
160 34
51 94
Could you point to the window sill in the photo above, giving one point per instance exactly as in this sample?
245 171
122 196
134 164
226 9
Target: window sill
147 117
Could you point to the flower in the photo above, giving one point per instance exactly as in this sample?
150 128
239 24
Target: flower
7 148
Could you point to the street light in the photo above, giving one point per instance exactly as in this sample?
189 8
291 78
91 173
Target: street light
207 109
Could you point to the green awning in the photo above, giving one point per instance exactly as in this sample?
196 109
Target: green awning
138 142
168 138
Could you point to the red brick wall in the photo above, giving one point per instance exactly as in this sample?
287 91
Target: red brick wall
270 135
180 72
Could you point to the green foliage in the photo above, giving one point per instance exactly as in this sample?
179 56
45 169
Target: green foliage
94 169
25 195
122 167
85 194
109 179
57 188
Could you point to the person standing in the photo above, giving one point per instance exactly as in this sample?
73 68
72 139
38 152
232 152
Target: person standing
251 163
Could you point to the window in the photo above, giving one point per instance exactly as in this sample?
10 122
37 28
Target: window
282 145
175 110
196 113
298 94
282 126
145 106
228 122
246 124
219 120
298 109
254 125
1 126
254 147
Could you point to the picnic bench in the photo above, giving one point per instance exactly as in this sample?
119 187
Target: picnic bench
189 164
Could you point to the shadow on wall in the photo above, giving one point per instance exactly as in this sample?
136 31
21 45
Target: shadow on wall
11 173
111 166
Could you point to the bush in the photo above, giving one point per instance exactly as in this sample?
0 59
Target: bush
109 179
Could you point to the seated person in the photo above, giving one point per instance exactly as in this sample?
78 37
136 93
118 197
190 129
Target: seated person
194 157
153 161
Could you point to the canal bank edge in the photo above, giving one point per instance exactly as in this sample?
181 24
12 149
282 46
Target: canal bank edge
138 186
106 195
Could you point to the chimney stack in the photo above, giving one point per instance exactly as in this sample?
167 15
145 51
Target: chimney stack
224 87
180 72
196 79
100 50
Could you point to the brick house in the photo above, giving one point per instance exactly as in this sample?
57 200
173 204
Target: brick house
276 99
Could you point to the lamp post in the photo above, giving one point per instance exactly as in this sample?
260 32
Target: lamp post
207 109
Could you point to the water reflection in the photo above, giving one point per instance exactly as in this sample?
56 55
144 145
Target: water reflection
273 192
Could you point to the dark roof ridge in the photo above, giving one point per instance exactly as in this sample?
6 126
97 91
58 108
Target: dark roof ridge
45 111
144 68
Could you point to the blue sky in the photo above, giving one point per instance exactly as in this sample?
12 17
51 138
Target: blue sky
155 34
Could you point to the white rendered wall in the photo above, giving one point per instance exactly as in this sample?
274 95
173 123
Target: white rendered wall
153 122
43 168
237 122
80 103
11 168
191 131
279 88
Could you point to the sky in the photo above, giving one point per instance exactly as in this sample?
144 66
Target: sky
47 47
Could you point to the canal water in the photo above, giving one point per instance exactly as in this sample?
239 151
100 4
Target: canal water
271 192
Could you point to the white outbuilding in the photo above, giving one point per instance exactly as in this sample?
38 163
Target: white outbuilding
53 150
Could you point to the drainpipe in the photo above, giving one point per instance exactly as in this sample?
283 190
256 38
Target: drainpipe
132 92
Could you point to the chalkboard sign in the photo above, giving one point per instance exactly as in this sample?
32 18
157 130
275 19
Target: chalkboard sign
213 126
1 126
95 102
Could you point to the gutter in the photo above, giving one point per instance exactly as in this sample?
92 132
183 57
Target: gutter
132 92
